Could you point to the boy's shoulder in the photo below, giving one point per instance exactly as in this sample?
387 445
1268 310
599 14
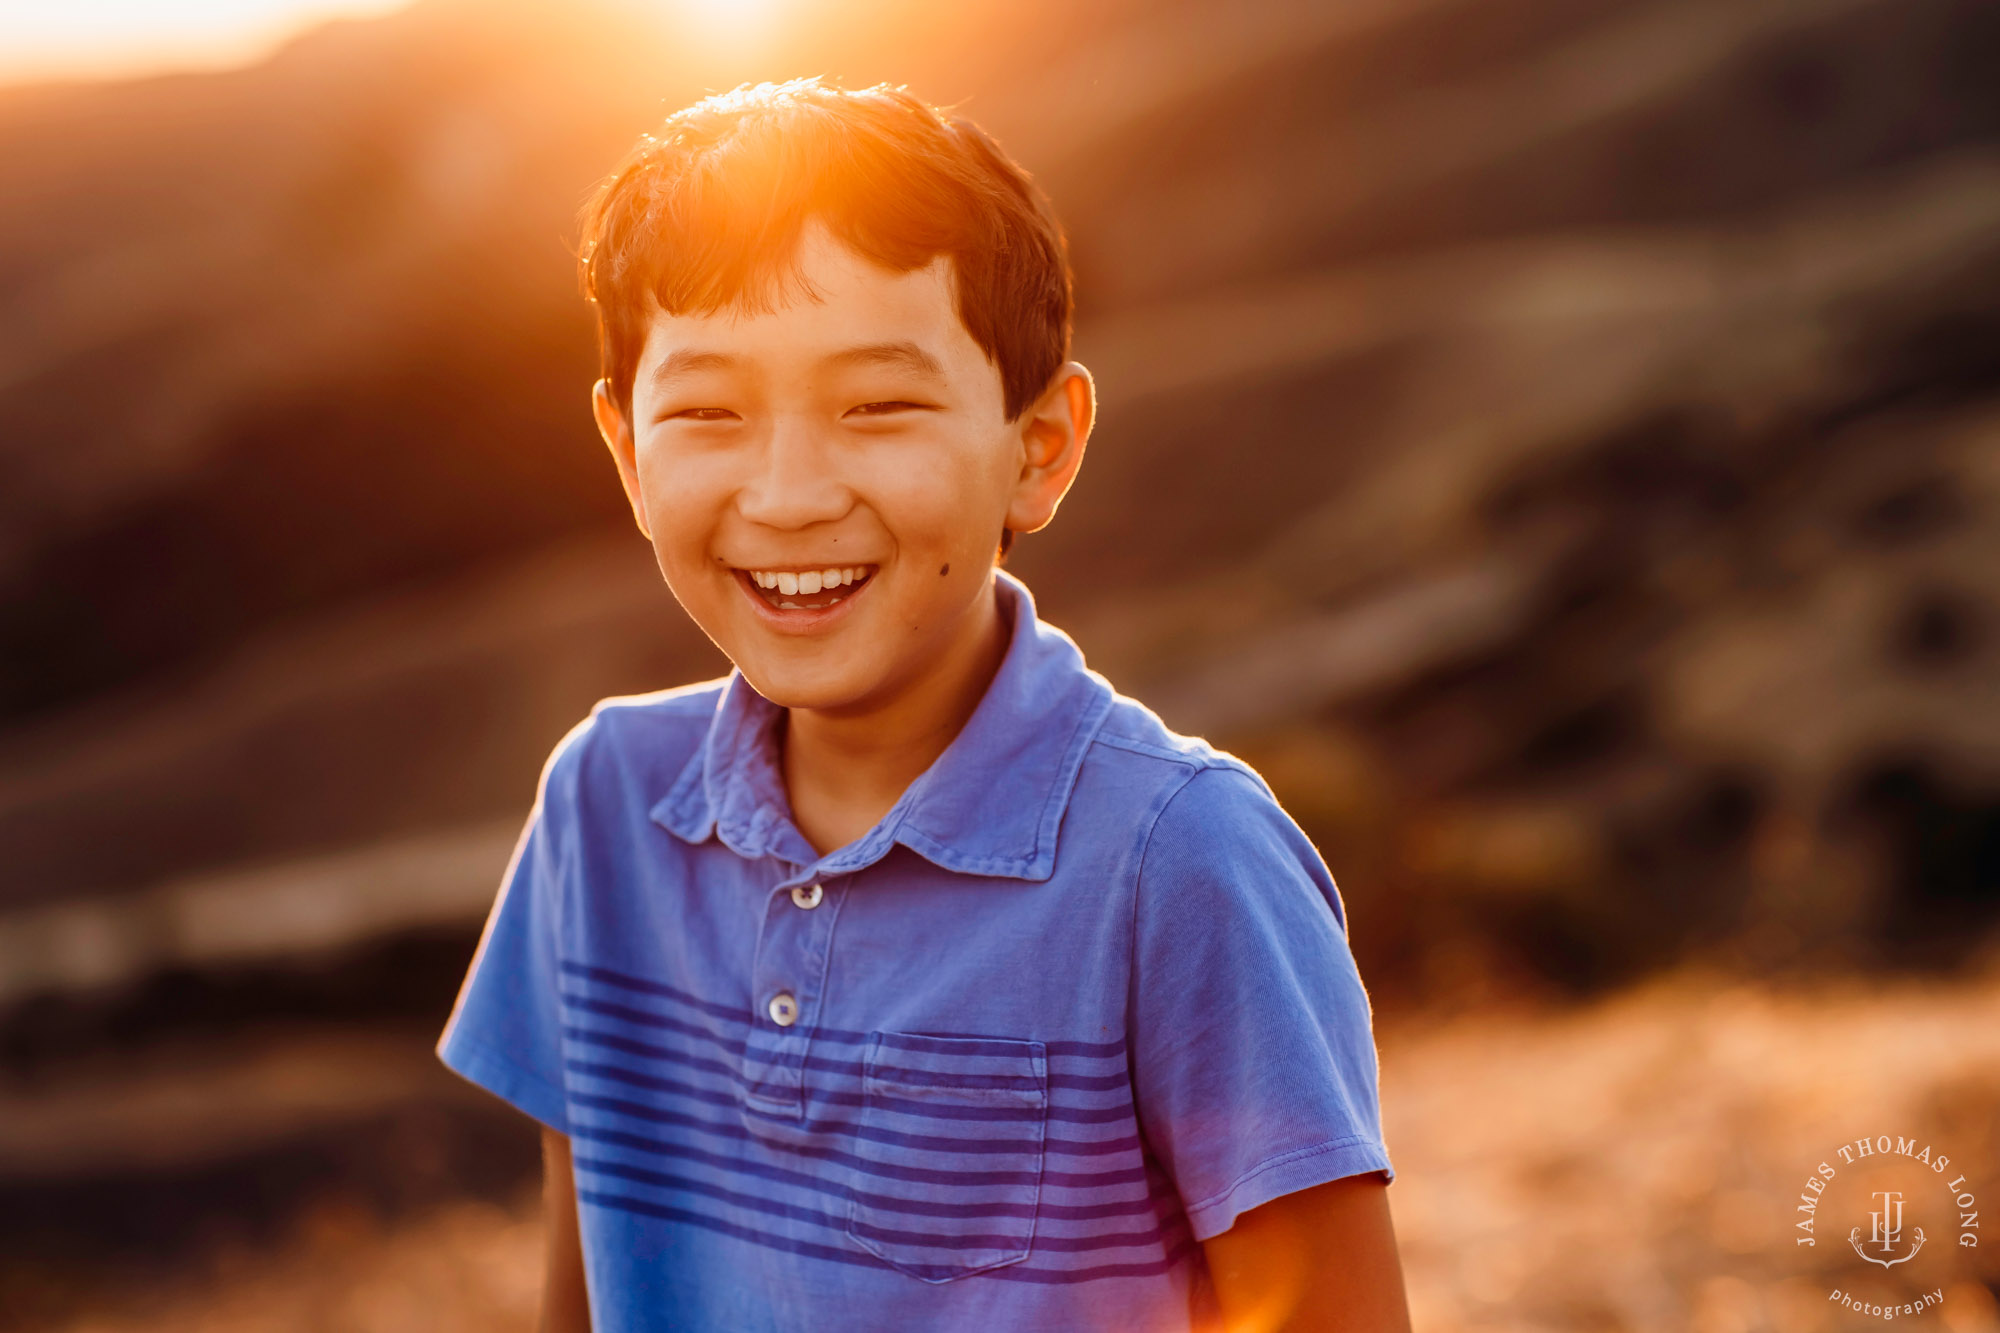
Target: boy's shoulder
1185 778
1212 834
637 741
680 709
1133 728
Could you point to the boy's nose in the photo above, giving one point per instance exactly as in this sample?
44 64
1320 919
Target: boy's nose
793 483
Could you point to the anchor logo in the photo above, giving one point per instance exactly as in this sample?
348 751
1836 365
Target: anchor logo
1886 1230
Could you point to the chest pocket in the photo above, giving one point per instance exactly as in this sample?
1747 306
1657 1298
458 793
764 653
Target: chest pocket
950 1140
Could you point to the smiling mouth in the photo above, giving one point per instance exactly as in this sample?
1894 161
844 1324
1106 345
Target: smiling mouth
807 589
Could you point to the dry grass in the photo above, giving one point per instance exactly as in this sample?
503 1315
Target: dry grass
1626 1165
468 1268
1633 1165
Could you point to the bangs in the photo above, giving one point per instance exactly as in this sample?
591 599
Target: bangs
710 214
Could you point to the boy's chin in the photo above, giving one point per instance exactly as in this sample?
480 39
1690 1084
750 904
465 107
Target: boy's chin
817 691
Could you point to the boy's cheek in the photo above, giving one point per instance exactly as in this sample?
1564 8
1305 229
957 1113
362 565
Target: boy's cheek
942 509
692 571
681 511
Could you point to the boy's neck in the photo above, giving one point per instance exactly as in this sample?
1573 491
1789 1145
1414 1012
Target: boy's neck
843 771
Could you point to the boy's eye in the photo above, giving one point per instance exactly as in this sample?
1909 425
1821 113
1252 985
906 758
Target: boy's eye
701 414
887 407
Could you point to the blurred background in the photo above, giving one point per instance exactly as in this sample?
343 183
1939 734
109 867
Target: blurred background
1558 442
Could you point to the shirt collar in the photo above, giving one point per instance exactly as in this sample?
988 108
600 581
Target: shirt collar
990 805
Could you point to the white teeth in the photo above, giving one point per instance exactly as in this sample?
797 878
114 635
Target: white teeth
811 581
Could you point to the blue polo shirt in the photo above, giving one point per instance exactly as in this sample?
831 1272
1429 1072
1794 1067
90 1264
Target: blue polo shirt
1081 998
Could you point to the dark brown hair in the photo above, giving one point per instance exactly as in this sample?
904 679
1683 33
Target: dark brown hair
705 214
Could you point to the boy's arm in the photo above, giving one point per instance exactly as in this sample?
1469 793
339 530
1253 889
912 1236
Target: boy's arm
565 1303
1321 1258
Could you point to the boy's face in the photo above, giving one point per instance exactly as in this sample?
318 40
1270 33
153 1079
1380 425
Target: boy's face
825 485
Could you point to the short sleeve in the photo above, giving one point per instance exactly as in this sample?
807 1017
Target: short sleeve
505 1031
1253 1049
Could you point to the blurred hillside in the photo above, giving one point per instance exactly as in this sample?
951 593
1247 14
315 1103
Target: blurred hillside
1559 443
1557 440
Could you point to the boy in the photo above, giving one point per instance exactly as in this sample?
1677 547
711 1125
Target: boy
909 977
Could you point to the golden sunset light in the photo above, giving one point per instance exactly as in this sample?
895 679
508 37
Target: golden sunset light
99 39
551 588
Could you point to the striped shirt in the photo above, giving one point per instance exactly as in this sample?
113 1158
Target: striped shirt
1081 998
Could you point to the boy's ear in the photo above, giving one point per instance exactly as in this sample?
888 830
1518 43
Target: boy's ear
617 433
1054 431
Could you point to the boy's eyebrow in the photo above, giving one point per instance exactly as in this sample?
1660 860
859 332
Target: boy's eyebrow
684 362
906 355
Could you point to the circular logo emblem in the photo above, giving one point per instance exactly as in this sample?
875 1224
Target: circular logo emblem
1893 1220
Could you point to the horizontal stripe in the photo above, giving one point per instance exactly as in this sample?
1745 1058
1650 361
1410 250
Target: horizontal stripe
888 1170
933 1142
1115 1240
931 1109
741 1014
1066 1212
857 1129
914 1043
659 1022
935 1078
1017 1272
1076 1115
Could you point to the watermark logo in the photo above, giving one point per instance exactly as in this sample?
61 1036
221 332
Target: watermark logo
1891 1199
1923 1304
1886 1232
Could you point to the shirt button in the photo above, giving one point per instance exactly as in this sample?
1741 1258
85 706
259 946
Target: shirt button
784 1009
807 898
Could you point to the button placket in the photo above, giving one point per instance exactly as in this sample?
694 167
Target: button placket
788 973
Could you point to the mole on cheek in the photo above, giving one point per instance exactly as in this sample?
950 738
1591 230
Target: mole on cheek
943 570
